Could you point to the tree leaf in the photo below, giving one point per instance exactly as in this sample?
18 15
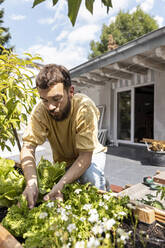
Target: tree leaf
37 2
89 5
73 8
107 3
54 2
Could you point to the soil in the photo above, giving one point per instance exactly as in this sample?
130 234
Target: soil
146 236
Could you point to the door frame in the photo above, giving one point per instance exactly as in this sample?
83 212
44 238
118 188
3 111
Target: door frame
132 89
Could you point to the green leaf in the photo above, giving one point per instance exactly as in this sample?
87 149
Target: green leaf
54 2
73 8
107 3
37 2
89 5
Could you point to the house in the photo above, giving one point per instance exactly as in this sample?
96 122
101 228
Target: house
130 82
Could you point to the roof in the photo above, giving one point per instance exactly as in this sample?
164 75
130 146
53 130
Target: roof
137 56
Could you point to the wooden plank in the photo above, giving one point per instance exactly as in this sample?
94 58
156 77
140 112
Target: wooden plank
7 240
160 178
145 213
153 140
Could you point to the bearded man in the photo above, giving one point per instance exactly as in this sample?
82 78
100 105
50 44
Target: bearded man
70 123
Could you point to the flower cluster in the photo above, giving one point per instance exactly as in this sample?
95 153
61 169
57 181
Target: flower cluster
86 219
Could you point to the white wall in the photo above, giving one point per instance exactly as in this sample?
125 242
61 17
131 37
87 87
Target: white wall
159 108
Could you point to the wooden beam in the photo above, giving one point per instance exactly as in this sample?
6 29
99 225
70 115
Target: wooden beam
148 63
91 81
116 74
160 52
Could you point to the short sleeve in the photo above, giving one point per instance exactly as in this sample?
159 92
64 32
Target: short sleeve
87 128
36 132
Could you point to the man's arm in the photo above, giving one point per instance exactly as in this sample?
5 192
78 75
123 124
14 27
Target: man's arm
78 168
29 168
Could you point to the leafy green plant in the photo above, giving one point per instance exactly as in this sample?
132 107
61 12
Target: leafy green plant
85 219
17 96
152 201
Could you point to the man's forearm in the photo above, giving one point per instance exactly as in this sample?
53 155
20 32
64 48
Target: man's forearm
78 168
28 163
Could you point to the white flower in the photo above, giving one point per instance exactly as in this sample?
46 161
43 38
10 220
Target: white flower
122 213
93 243
97 229
77 191
50 204
43 215
64 217
109 224
106 197
101 203
93 218
87 206
93 211
123 235
68 207
112 194
82 219
71 227
80 244
106 207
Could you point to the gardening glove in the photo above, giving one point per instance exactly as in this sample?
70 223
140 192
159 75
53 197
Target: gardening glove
31 192
54 194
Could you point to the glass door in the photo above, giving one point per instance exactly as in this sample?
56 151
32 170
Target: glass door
124 115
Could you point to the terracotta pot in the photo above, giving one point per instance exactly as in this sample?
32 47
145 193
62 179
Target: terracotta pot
7 240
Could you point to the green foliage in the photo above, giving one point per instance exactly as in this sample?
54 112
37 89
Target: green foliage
85 217
125 28
48 174
74 6
11 183
17 97
4 32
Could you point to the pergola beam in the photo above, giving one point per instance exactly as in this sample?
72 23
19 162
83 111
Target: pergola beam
148 63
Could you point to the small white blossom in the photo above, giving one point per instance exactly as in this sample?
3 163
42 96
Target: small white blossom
113 194
93 211
93 243
106 207
93 218
122 213
97 229
77 191
68 207
82 219
50 204
101 203
43 215
87 206
71 227
123 235
109 224
80 244
64 217
106 197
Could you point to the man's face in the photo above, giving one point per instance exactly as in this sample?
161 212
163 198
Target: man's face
57 100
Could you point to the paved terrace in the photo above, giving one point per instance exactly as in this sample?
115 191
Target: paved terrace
124 165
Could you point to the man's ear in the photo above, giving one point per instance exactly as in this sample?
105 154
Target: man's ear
71 90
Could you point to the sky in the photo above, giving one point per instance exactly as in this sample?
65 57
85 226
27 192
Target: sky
48 32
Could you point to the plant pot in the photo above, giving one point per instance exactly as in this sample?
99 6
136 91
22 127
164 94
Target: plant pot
157 158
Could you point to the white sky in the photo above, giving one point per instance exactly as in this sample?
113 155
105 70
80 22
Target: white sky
47 31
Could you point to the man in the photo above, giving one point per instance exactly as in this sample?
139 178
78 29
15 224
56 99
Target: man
70 123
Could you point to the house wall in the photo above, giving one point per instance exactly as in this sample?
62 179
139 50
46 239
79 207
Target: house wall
159 108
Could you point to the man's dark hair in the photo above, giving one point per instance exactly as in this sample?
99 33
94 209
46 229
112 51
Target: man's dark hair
51 74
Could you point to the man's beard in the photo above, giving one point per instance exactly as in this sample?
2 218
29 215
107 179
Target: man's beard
64 114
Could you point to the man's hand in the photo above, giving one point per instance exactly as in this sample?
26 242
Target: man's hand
31 192
54 194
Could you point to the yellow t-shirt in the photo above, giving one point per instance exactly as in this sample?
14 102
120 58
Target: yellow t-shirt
78 132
